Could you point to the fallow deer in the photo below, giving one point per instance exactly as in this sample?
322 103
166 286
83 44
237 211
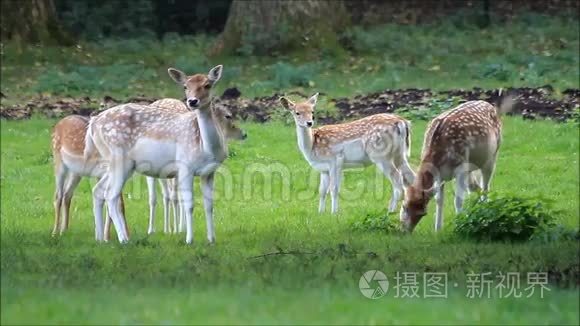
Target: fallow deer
70 166
381 139
161 143
461 143
229 126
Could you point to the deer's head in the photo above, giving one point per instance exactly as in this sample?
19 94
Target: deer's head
228 124
414 207
417 196
302 112
197 87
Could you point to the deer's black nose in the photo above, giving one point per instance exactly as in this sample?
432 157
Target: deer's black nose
309 123
192 102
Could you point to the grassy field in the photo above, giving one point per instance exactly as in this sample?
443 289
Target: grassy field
532 50
276 259
157 279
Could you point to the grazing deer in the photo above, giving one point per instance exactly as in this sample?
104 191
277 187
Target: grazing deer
381 139
461 143
70 166
162 144
229 126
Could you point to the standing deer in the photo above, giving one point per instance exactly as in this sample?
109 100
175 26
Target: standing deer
70 166
168 187
381 139
461 143
162 144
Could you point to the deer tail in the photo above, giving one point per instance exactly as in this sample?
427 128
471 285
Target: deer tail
506 105
89 142
405 130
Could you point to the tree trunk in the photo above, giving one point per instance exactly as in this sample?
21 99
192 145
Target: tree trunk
263 27
32 21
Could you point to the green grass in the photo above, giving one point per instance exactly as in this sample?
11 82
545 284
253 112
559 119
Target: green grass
158 279
266 196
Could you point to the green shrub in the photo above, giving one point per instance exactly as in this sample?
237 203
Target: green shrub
378 222
557 233
503 218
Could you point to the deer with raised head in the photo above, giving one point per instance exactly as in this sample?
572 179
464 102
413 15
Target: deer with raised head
162 144
381 139
461 143
70 166
231 131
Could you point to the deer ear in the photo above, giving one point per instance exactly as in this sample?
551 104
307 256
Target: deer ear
312 101
215 73
286 103
177 75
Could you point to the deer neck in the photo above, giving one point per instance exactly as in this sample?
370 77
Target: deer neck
305 141
425 180
212 139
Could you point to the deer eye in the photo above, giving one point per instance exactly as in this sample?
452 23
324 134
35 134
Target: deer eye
184 87
297 113
229 117
207 86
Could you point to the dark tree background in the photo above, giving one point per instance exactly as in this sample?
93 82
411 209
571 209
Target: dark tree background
257 27
32 21
264 26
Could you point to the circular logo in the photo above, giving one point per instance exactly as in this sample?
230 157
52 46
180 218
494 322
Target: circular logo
373 284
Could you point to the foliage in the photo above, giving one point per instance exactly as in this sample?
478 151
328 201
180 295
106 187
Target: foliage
557 233
91 78
411 56
377 222
503 218
139 18
108 18
431 109
284 75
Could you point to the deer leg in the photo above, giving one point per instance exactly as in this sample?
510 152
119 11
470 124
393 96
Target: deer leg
108 219
185 180
439 198
461 188
323 190
165 194
335 179
107 227
486 175
122 209
152 203
406 171
172 202
396 178
98 203
475 181
71 185
60 174
207 185
178 217
120 170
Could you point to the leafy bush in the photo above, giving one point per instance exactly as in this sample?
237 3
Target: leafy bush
557 233
503 218
497 71
378 222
